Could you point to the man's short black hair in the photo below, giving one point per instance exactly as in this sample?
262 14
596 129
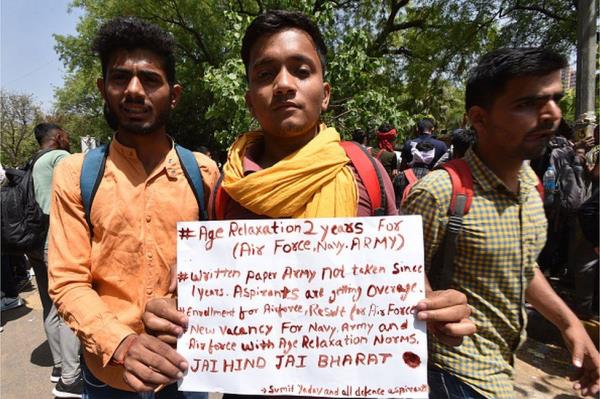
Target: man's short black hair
43 130
359 135
203 149
487 80
425 125
385 127
275 21
462 139
130 33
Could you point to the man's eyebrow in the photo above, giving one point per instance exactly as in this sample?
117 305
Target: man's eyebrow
119 70
141 72
268 60
302 58
263 61
535 97
149 74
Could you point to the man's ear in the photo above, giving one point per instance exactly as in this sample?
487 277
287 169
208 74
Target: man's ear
101 89
326 96
478 117
176 90
249 103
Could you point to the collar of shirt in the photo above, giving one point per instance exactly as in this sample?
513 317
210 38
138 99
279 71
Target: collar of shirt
170 163
488 181
250 161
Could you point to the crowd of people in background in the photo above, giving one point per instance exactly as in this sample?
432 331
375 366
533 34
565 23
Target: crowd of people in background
115 290
569 257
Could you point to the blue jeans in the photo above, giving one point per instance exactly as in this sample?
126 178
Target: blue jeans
443 385
93 388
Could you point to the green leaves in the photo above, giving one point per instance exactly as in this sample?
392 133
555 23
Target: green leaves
388 61
227 85
20 114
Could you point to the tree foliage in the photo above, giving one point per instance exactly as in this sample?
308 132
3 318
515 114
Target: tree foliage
388 62
19 114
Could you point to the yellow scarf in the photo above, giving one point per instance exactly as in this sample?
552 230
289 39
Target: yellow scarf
312 182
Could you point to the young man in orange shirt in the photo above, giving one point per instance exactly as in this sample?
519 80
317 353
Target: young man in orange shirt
101 282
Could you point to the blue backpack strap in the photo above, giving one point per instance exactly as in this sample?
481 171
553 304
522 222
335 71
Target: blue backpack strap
191 170
92 171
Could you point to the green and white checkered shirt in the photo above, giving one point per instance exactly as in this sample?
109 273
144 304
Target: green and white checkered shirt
496 253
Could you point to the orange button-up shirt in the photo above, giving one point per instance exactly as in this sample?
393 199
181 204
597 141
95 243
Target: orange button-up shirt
100 287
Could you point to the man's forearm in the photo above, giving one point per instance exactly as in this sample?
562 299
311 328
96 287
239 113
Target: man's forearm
546 301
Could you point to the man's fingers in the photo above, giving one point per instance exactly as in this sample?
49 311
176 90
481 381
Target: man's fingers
136 384
165 308
577 354
464 328
168 339
452 334
590 382
158 326
157 355
145 375
584 385
161 315
442 299
447 314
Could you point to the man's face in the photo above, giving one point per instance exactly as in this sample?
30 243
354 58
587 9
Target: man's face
137 92
522 119
286 89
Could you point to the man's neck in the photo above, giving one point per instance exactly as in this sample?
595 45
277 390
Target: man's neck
48 146
151 148
276 148
507 169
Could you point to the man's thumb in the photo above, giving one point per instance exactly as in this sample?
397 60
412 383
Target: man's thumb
577 355
173 282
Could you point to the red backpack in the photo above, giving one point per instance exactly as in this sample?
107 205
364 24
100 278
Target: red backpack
365 168
442 265
412 180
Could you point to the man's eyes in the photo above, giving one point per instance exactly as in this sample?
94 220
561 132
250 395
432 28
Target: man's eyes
264 74
124 78
120 77
301 72
527 104
539 102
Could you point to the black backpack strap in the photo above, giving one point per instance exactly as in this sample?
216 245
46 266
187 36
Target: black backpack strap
29 164
442 267
191 170
440 275
92 171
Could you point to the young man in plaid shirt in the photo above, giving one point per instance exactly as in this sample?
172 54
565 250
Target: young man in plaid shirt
512 101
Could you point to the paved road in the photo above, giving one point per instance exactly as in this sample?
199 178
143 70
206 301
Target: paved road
26 362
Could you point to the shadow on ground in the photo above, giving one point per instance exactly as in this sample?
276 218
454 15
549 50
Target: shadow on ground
41 355
14 314
544 371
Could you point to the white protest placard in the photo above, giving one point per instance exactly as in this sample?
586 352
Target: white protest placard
310 307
